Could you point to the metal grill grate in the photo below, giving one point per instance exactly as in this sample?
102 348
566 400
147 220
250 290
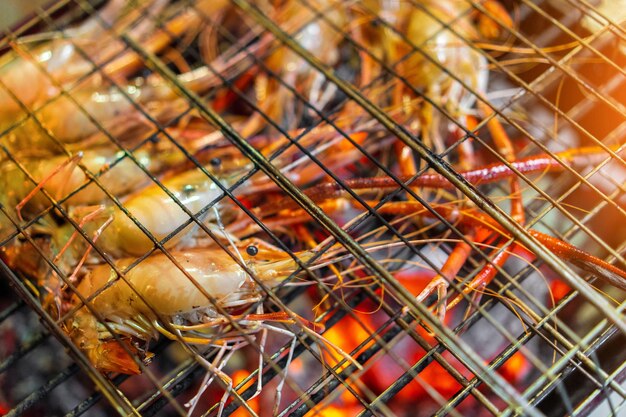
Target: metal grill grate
268 116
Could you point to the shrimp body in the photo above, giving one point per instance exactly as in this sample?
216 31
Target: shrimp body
153 208
171 296
161 215
214 271
58 57
119 179
103 111
68 120
12 76
443 52
29 83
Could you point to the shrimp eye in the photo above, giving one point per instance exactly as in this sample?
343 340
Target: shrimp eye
252 250
188 189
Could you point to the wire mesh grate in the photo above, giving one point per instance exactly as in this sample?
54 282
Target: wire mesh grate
312 207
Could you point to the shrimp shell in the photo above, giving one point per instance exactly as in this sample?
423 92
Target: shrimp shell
172 296
168 290
158 213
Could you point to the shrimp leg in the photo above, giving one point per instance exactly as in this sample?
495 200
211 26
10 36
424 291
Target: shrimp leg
92 212
467 157
218 363
503 143
215 369
94 238
284 371
227 380
71 162
448 272
472 220
52 284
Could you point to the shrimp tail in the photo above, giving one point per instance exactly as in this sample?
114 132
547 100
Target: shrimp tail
106 355
111 356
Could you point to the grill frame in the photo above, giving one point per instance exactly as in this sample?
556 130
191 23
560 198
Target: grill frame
447 336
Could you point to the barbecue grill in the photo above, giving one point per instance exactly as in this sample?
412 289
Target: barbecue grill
540 341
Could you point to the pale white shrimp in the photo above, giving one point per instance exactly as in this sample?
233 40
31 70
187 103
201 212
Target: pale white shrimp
57 55
111 107
59 176
177 299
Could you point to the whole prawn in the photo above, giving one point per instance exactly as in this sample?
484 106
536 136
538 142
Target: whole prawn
201 302
30 72
284 70
90 115
75 116
135 306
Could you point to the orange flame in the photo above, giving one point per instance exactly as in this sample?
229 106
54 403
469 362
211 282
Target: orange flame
238 377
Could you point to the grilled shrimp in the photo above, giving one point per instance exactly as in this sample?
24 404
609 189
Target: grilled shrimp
195 191
157 294
60 176
68 119
187 301
430 44
158 213
60 60
427 29
57 56
111 107
442 54
443 32
288 69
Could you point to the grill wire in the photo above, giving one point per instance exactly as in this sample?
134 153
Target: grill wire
513 353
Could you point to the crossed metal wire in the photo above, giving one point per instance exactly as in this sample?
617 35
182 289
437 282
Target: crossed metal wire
547 326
